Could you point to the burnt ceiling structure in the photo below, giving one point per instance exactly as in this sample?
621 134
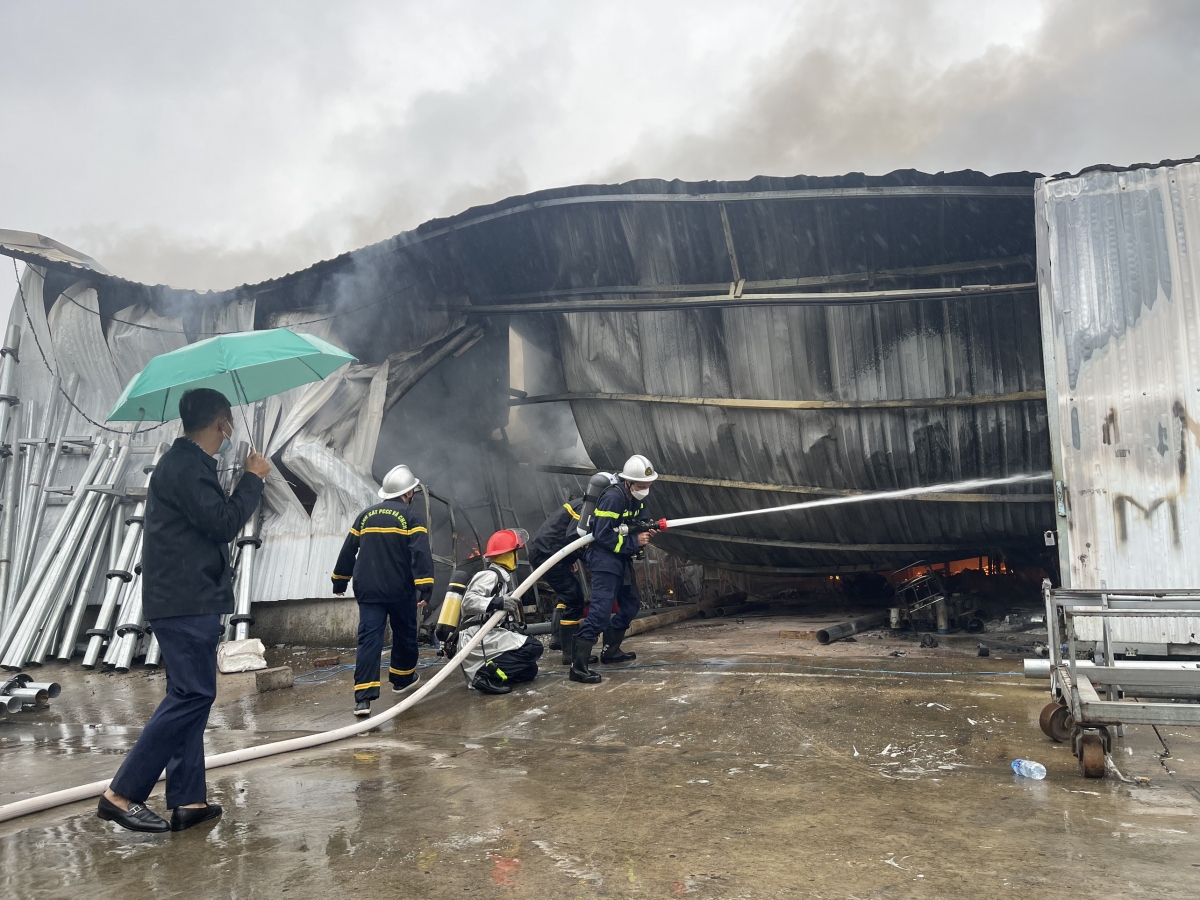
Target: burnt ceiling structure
762 341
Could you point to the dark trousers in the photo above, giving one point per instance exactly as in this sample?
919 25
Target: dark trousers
607 587
173 739
521 664
372 619
570 593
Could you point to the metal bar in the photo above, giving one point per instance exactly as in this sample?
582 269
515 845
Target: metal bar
97 519
39 512
459 339
30 592
808 281
8 521
729 300
737 403
56 559
99 554
153 653
32 486
812 490
854 626
1086 612
130 548
129 630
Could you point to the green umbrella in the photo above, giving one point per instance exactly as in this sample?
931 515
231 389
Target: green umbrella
245 366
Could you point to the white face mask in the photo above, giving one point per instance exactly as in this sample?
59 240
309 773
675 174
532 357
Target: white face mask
642 494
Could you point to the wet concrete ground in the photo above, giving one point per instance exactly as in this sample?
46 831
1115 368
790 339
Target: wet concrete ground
726 763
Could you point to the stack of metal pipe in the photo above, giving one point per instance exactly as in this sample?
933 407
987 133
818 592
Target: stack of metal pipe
22 692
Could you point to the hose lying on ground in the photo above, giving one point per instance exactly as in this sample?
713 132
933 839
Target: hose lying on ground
87 791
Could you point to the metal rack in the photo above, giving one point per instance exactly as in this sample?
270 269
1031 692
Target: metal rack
1090 703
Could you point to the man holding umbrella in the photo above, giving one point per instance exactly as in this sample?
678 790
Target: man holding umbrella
187 585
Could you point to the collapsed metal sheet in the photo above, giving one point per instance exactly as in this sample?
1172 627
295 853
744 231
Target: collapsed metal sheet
1119 258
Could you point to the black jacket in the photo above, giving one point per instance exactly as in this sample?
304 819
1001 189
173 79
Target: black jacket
387 554
189 526
556 532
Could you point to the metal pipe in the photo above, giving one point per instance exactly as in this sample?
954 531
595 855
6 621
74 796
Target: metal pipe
97 520
8 374
120 574
8 521
1041 668
74 621
30 592
10 704
31 696
153 653
59 558
39 512
52 688
862 623
129 630
39 433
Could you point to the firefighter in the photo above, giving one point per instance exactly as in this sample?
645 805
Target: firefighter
556 532
505 656
619 535
387 554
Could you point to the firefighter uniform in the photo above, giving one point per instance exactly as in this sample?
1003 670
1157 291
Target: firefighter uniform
610 559
556 532
505 656
387 555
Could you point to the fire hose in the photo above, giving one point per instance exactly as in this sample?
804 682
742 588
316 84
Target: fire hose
94 789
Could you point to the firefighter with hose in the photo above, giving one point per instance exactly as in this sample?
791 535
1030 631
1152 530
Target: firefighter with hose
506 656
556 532
620 534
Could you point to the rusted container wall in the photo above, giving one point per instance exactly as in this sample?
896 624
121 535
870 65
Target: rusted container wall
1117 264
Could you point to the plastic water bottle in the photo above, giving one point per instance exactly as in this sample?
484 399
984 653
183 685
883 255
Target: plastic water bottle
1027 768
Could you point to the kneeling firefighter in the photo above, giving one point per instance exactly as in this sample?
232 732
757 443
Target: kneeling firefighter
620 533
505 656
556 532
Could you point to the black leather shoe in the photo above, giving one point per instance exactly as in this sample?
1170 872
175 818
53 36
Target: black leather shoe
183 818
362 708
138 818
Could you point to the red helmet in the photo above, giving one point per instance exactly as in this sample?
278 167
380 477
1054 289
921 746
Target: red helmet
502 542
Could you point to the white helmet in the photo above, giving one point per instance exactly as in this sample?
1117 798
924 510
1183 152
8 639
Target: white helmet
398 482
638 468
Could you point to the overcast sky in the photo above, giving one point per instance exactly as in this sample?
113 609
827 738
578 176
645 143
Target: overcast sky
206 145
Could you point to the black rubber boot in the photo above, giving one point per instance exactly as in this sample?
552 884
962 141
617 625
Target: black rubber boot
490 681
556 640
582 652
612 652
568 642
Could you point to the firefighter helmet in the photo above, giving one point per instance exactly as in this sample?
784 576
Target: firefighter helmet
638 468
398 482
503 541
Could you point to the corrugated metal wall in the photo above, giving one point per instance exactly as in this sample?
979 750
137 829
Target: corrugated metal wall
1119 255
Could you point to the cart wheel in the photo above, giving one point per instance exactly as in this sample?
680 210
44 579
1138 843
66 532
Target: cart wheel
1056 722
1091 756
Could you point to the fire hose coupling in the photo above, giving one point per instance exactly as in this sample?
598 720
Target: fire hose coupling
641 526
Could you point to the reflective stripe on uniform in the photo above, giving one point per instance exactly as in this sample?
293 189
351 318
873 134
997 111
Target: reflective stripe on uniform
422 581
620 542
407 532
567 507
400 671
355 532
500 672
341 577
561 606
369 684
569 621
607 514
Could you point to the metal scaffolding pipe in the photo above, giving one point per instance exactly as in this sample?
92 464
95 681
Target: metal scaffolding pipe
39 513
74 621
120 574
153 653
31 482
8 374
854 626
30 592
129 630
38 618
10 704
52 688
248 543
31 696
8 519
